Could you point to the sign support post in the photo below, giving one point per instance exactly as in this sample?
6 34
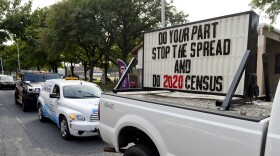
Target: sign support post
226 102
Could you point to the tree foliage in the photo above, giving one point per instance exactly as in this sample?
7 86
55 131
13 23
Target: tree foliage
75 22
90 32
14 17
270 7
133 17
9 57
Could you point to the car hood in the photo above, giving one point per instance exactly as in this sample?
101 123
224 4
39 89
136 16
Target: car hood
36 84
86 106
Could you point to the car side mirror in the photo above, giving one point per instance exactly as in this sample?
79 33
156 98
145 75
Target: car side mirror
54 95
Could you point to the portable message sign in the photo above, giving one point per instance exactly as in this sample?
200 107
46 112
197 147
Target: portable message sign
201 56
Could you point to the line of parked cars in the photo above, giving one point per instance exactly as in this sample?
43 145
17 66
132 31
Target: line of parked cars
71 103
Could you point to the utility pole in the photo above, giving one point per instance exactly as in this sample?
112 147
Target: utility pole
2 71
163 13
18 58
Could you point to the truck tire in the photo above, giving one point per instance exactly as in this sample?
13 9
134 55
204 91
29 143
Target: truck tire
64 129
141 150
25 105
16 96
41 114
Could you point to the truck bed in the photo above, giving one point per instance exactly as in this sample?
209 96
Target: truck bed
253 111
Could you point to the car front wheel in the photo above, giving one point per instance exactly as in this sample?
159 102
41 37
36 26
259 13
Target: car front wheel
41 114
64 129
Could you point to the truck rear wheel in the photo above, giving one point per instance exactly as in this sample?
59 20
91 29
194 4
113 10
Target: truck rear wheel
141 150
25 105
16 96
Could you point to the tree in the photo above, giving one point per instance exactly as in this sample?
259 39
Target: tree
123 22
73 54
14 18
108 24
53 57
9 58
4 7
18 24
135 16
97 31
32 55
270 7
38 50
74 22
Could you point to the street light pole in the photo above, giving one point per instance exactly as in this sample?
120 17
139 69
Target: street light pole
2 66
18 58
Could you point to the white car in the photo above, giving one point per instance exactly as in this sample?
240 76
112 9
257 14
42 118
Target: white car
72 105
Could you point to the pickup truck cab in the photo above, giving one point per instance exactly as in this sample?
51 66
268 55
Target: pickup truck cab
72 105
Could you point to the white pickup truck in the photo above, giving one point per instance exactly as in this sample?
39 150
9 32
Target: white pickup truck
171 123
190 68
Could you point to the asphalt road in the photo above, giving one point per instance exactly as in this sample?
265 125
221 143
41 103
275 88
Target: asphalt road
22 134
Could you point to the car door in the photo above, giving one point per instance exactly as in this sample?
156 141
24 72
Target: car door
45 97
19 89
54 104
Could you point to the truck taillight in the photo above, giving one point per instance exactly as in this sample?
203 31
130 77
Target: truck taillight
99 111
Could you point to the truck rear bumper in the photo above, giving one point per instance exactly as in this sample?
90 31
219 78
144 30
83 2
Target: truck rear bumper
83 128
98 132
107 135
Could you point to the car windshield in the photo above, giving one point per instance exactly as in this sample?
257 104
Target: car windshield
81 91
40 77
6 78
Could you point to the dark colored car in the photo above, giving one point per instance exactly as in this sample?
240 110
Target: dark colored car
29 86
7 81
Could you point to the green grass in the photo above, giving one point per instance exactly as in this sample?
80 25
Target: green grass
108 86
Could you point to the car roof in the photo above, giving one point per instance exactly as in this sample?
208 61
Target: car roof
63 82
6 76
34 73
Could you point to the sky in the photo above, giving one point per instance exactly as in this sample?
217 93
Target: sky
204 9
199 9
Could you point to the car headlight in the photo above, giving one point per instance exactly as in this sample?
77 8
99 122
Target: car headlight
37 90
34 90
31 90
79 117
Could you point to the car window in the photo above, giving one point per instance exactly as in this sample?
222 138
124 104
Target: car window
47 87
40 77
56 89
6 78
81 91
